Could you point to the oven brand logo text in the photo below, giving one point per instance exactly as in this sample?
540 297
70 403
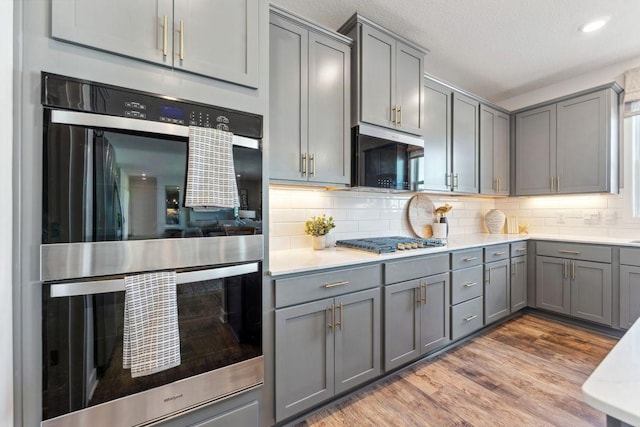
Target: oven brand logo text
176 397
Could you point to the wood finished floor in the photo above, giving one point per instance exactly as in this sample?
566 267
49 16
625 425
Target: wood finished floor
526 372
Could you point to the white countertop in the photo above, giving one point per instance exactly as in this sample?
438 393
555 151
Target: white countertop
614 386
306 259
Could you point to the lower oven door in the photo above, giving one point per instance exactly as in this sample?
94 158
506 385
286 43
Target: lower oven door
84 383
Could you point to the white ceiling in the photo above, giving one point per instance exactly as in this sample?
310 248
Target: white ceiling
497 49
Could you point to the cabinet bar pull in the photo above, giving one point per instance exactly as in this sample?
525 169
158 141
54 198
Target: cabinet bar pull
573 271
394 120
558 182
470 258
521 249
514 269
340 324
447 179
164 36
565 269
470 284
470 318
553 183
489 280
304 164
181 40
333 285
332 317
455 181
312 159
565 251
499 253
418 292
498 184
424 299
400 115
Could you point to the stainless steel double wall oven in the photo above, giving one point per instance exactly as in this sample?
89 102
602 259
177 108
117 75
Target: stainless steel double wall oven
114 174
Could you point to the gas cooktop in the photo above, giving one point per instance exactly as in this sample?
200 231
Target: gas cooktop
383 245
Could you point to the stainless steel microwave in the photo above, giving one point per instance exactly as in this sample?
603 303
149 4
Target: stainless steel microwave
386 160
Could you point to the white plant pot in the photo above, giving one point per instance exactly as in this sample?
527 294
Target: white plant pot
318 242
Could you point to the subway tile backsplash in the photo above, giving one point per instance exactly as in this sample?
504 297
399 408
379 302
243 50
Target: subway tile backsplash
369 214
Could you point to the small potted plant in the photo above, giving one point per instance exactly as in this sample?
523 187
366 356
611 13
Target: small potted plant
318 227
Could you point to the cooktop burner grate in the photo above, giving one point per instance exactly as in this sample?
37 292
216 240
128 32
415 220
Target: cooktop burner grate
383 245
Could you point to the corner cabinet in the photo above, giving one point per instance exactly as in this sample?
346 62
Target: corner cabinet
309 102
216 39
327 346
629 286
494 151
451 140
387 79
569 147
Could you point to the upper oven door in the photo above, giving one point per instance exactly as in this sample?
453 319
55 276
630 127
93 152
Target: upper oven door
121 180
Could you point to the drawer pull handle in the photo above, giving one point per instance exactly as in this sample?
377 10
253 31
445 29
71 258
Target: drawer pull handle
333 285
473 258
470 318
418 292
565 251
424 298
521 249
340 324
470 284
332 317
499 253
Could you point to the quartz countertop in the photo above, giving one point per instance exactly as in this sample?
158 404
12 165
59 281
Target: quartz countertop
614 386
306 259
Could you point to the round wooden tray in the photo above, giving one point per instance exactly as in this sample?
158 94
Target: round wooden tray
421 214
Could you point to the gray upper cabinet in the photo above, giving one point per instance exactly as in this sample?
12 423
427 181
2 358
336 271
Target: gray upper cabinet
568 147
387 80
437 135
494 151
175 34
309 102
465 147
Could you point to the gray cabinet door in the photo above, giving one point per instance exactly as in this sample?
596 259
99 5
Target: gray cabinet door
357 338
591 291
465 154
518 283
304 356
535 151
401 323
494 151
437 136
582 154
134 29
553 291
246 416
409 89
288 99
219 39
329 95
497 291
629 295
378 91
434 313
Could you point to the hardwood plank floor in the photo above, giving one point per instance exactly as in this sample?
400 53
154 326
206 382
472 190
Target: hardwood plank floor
526 372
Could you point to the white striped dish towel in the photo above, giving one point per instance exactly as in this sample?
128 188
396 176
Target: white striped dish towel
151 340
211 176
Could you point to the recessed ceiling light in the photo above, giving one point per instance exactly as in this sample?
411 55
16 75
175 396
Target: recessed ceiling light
593 25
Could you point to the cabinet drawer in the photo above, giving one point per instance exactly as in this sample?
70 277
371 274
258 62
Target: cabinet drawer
311 287
630 256
401 271
466 318
574 251
247 415
466 284
496 253
518 248
465 259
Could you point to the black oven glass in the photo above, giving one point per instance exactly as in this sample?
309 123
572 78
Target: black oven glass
104 185
219 323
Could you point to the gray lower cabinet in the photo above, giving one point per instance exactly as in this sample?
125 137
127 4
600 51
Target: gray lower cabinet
416 318
246 416
494 151
581 289
629 286
172 33
497 291
518 283
325 347
568 147
309 124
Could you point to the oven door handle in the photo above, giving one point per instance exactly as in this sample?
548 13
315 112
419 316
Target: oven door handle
117 285
77 118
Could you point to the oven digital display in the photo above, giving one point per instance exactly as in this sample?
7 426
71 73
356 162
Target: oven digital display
171 112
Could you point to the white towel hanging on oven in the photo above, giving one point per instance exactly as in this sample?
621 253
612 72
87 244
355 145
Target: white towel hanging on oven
151 339
211 176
